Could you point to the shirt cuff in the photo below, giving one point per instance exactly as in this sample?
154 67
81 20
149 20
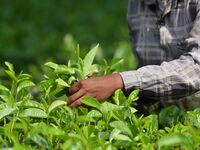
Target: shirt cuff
131 80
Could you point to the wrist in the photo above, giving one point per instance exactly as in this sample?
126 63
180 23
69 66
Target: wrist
117 81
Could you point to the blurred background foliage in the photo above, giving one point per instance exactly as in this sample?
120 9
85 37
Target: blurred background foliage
34 31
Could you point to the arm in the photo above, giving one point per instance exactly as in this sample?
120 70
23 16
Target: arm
170 80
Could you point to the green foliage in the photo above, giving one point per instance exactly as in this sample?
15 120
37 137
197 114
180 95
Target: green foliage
32 33
46 122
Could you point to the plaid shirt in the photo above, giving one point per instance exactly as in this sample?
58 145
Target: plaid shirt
166 42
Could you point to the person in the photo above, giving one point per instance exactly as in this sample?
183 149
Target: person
165 35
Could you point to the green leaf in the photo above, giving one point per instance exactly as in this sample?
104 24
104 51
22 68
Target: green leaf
71 80
62 69
84 119
94 113
90 101
10 66
5 98
18 146
121 137
88 60
25 84
116 63
38 139
61 82
175 140
133 110
45 129
33 112
116 97
4 89
192 118
87 131
6 111
107 106
151 122
56 104
91 70
51 65
170 115
114 133
11 75
45 84
122 127
133 96
23 76
33 104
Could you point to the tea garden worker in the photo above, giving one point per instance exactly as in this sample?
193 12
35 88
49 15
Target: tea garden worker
166 40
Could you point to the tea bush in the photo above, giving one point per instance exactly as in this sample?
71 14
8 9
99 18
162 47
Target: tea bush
36 116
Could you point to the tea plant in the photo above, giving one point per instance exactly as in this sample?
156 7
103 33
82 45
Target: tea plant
36 116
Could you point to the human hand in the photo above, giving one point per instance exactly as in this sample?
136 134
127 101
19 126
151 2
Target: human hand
98 87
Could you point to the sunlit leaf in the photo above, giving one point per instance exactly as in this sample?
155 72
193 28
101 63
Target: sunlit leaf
10 66
5 98
122 137
122 127
62 69
116 97
90 101
4 89
88 60
11 75
56 104
33 104
94 113
33 112
51 65
25 84
62 82
7 111
175 140
133 96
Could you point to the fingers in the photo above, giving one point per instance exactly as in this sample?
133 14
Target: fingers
76 103
75 97
74 88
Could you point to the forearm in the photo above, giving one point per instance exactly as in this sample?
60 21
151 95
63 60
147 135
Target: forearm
169 81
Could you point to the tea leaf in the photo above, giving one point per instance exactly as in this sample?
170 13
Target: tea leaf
33 104
122 127
90 101
62 82
4 89
51 65
88 60
7 111
11 75
38 139
33 112
133 96
122 137
10 66
56 104
175 140
94 113
25 84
